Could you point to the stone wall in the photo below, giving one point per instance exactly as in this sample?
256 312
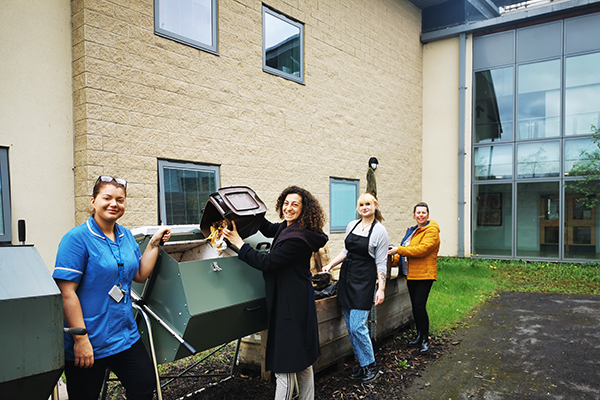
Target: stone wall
139 97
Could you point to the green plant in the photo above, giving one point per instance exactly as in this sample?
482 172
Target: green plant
589 169
402 364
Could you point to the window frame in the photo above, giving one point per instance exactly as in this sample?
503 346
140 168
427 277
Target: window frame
6 234
214 48
356 184
291 21
183 165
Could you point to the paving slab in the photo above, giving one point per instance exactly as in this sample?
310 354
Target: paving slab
521 346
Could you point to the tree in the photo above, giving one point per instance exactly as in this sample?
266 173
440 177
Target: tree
589 169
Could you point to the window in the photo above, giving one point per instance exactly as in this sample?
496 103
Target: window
283 46
493 162
184 189
192 22
539 100
5 222
494 105
582 94
343 195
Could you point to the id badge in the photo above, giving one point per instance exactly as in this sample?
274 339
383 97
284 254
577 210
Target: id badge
116 293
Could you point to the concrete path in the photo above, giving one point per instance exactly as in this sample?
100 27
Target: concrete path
522 346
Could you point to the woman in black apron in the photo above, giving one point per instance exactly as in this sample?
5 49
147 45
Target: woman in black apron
364 263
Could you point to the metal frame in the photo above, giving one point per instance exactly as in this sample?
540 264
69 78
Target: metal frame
214 48
5 194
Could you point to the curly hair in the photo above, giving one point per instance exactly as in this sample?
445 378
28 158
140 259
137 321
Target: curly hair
312 216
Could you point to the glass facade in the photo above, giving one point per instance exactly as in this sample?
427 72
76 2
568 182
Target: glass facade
527 198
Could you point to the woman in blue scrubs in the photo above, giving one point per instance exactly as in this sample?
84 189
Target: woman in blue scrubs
95 266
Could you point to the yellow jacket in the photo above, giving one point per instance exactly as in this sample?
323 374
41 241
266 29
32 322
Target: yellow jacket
422 252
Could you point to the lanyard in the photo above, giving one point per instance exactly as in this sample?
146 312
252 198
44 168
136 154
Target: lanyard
119 260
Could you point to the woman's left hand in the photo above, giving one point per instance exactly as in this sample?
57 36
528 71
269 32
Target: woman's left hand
379 296
233 236
392 250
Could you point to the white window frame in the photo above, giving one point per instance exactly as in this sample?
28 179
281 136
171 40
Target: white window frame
178 37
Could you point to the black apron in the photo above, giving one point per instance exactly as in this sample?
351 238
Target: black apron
358 274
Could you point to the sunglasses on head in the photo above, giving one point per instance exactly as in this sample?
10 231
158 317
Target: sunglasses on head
105 178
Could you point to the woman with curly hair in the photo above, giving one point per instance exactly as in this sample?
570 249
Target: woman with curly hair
293 336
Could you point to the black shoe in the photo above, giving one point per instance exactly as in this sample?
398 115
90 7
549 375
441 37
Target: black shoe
425 347
371 373
357 373
416 342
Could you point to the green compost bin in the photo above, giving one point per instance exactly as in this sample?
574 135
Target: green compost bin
31 337
207 299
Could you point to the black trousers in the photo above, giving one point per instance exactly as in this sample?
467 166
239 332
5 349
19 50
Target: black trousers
133 368
419 292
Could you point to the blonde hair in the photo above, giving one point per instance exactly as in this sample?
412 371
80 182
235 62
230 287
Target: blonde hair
368 198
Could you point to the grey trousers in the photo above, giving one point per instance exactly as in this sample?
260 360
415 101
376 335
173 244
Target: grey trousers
286 382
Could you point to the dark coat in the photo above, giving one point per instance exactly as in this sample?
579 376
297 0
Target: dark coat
293 337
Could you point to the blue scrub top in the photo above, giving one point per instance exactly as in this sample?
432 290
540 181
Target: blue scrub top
86 256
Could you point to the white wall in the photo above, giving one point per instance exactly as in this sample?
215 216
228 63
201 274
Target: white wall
36 118
440 140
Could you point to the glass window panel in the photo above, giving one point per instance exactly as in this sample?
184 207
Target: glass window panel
582 34
184 191
540 41
492 232
494 50
538 219
283 52
193 22
538 160
579 154
342 204
582 94
539 100
582 237
494 105
493 162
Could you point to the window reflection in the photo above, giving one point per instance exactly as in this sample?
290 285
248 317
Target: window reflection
494 105
190 21
283 45
582 97
578 155
538 219
493 162
492 230
539 100
538 160
581 227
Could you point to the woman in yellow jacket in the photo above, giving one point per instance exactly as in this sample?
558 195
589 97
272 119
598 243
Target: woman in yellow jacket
419 250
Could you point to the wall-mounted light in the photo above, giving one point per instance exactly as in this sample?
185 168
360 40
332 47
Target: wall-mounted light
373 163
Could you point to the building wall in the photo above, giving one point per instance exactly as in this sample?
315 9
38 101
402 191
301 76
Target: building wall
36 118
139 97
440 140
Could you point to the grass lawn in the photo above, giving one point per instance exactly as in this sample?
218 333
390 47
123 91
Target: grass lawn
465 283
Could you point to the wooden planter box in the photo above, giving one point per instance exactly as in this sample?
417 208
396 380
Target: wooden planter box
394 313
